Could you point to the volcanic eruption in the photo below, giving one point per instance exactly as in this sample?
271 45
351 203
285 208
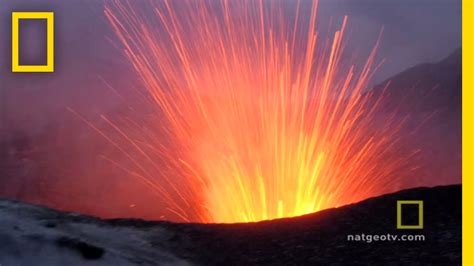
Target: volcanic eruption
263 117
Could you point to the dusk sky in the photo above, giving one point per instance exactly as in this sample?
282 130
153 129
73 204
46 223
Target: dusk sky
414 32
93 77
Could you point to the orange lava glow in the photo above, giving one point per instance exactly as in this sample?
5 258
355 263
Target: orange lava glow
266 118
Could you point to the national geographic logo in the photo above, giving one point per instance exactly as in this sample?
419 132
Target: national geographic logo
16 17
409 214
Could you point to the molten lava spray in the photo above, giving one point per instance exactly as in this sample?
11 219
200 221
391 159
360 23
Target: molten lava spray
264 119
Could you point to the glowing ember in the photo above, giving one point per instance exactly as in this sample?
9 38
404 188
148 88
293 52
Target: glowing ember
264 120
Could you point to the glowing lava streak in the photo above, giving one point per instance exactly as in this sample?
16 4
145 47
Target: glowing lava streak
265 116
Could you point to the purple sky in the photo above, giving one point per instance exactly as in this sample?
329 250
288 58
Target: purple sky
87 63
415 31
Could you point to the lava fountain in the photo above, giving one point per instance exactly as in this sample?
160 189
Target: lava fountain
265 118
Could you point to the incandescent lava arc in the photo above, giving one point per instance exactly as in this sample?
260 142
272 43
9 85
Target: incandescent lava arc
265 118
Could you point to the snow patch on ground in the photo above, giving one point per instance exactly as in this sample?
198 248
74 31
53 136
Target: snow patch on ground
31 235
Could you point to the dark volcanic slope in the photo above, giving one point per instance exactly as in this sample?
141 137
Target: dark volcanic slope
427 87
429 96
28 232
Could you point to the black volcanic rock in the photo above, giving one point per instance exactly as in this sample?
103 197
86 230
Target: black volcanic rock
27 236
428 98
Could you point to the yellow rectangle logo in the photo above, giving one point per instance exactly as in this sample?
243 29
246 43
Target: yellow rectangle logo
16 16
400 204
